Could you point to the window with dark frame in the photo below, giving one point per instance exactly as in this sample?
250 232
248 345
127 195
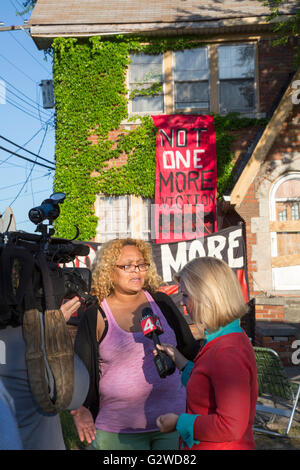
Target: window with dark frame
236 73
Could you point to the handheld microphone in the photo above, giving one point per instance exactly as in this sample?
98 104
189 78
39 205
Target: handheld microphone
152 328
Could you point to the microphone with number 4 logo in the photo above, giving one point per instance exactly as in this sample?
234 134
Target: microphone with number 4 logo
151 327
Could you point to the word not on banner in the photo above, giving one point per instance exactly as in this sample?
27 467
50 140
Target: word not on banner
186 177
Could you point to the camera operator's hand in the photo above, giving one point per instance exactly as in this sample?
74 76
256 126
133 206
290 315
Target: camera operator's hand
70 307
84 423
176 356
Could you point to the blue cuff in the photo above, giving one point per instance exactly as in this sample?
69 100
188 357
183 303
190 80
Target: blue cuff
185 427
185 374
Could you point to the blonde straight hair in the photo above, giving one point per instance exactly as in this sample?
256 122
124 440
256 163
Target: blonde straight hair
215 292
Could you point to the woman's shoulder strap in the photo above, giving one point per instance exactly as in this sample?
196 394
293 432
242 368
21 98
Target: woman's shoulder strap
102 334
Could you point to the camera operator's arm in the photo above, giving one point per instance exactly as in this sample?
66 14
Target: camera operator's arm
70 307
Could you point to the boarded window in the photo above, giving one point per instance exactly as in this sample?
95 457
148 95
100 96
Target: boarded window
122 217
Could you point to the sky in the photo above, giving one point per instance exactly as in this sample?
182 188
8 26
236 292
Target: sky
23 120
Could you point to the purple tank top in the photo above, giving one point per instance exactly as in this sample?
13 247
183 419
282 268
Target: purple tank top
132 395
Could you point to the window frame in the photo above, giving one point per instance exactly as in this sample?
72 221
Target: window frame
192 109
136 217
244 112
145 113
277 226
168 84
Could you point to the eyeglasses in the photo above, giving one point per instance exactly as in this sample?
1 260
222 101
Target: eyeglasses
131 268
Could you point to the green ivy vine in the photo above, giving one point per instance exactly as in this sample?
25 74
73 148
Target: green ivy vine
91 99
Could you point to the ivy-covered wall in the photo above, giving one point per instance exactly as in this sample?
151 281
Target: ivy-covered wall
91 99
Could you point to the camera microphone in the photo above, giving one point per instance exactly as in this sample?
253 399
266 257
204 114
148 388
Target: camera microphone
152 328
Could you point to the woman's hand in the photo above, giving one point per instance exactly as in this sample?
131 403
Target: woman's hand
70 307
167 423
176 356
84 423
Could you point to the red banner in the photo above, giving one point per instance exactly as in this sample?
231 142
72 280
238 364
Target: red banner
186 177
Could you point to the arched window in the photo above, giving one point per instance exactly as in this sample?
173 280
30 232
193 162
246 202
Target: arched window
285 231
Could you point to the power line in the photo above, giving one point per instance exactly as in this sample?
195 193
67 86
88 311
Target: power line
26 195
18 42
22 182
18 13
31 170
38 92
18 4
17 68
14 6
14 165
29 140
26 50
23 94
28 104
25 158
45 115
28 151
40 148
26 111
19 91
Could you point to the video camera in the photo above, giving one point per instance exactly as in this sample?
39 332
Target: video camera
30 271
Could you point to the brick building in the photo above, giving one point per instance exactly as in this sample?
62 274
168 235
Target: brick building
234 69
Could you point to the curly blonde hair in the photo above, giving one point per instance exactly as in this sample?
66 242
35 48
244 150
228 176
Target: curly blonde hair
106 260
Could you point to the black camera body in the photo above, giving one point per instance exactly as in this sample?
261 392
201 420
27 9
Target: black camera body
31 275
66 283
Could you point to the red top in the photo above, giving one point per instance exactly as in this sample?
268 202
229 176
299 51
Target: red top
222 388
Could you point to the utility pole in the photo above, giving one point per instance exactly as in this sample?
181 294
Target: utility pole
12 28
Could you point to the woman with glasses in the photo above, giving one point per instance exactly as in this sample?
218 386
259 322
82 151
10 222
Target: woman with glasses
126 393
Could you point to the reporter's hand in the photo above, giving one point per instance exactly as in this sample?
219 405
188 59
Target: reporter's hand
167 422
176 356
70 307
84 423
